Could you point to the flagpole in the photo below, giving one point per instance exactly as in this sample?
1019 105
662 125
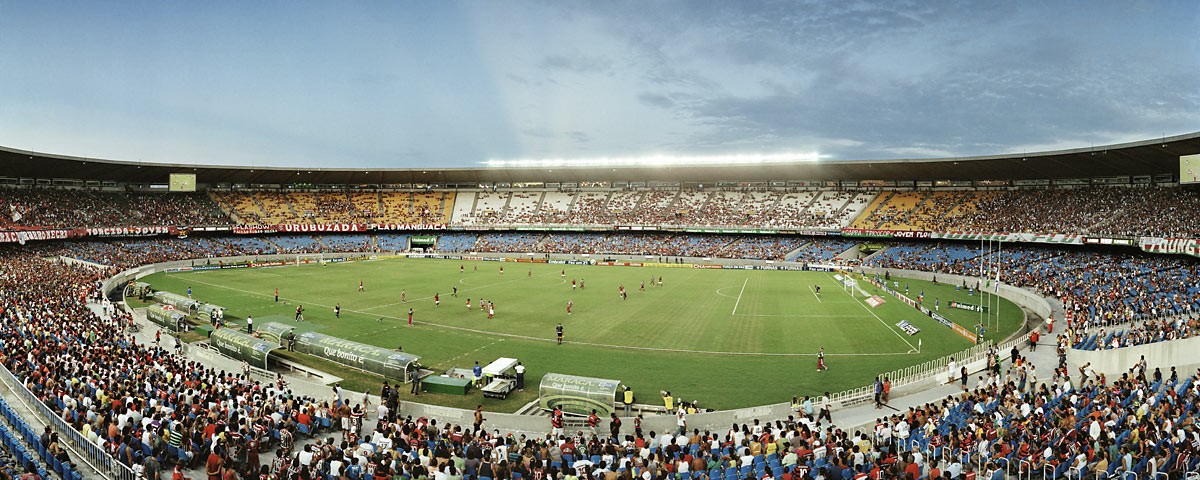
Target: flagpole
999 261
982 273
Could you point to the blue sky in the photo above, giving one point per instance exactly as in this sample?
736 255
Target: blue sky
451 84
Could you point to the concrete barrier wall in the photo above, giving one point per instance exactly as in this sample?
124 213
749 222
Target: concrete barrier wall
1116 361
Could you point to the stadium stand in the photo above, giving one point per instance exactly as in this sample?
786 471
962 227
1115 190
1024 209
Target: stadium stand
348 243
177 410
392 242
44 207
456 242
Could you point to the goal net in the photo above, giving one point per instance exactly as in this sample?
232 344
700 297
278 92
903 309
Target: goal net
306 258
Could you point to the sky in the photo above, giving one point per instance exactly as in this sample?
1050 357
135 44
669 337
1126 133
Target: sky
429 84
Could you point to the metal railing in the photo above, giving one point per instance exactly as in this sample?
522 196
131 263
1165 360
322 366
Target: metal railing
89 452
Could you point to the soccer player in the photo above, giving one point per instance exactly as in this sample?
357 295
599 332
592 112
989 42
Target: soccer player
563 274
821 360
491 310
502 270
299 313
569 305
277 295
581 284
529 274
189 292
482 305
573 284
410 313
403 296
476 267
660 280
817 288
559 329
460 268
360 285
337 311
454 293
468 304
642 287
437 301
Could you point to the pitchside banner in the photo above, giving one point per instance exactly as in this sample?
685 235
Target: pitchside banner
241 346
382 361
969 307
578 395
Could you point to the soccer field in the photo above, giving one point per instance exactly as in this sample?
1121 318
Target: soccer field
727 338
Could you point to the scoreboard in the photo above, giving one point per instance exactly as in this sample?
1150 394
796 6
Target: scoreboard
183 182
1189 169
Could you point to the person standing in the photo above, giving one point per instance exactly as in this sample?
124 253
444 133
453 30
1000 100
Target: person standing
249 324
569 305
821 360
410 314
593 421
403 296
414 375
299 313
878 393
276 295
337 311
559 328
478 419
826 407
437 300
520 369
627 400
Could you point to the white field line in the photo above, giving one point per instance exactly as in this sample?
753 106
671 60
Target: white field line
885 325
739 297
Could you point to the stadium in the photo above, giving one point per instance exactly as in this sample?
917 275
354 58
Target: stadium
687 317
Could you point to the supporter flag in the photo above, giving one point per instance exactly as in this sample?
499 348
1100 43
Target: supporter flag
16 214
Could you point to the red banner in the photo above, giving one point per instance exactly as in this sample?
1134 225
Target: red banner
337 227
129 231
410 226
26 235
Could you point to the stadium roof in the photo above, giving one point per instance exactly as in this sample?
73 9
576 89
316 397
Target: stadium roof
1157 156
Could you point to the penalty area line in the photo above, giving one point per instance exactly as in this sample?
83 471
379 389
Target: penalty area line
913 348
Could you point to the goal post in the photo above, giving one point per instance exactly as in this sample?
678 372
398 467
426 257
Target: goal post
306 258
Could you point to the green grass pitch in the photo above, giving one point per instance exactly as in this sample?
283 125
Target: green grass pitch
727 338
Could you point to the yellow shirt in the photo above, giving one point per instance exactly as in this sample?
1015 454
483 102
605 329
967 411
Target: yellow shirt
669 402
629 396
